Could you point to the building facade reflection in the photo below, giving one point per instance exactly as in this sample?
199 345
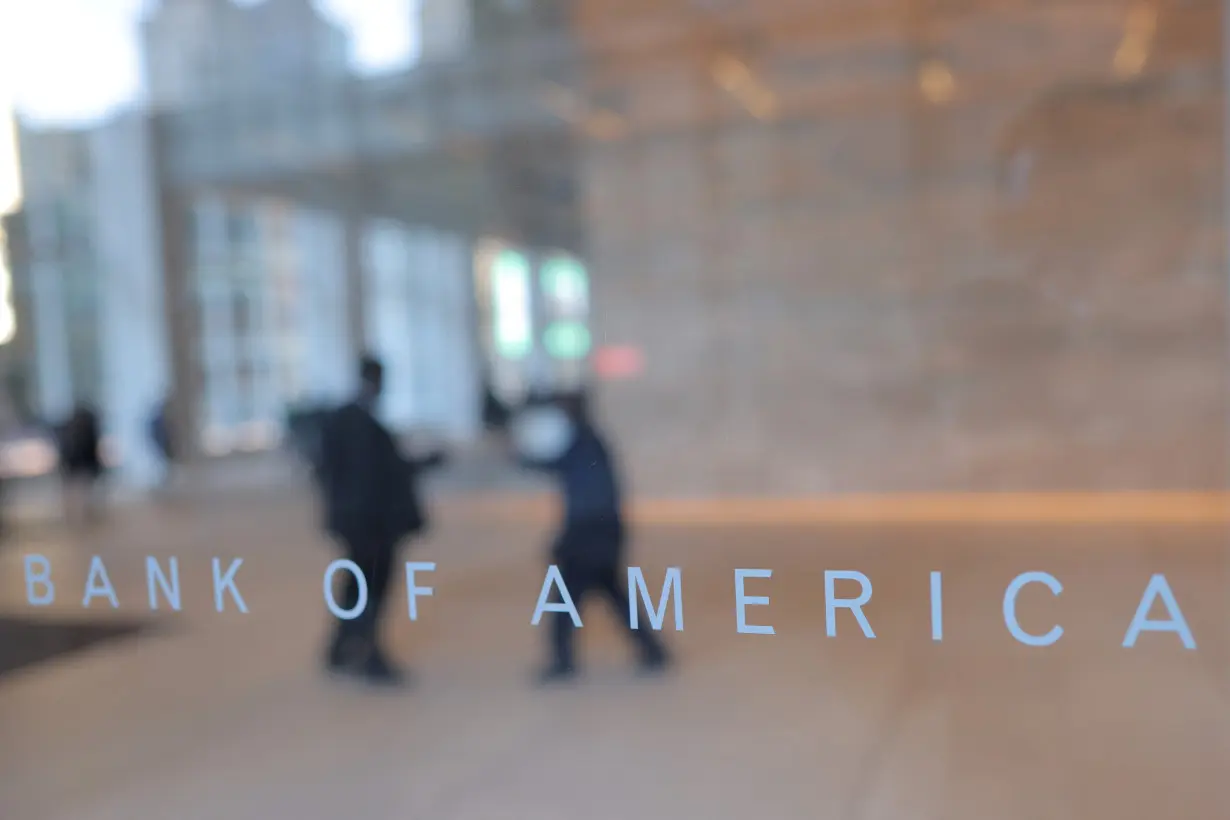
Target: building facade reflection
798 215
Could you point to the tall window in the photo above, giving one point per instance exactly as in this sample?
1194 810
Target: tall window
239 256
503 286
565 334
534 310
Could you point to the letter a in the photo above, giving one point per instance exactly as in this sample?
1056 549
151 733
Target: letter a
554 577
98 585
1158 588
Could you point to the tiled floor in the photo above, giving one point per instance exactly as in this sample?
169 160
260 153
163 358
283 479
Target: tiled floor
224 715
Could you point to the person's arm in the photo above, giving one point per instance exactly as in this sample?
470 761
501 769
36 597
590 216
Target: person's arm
428 462
324 466
543 465
538 465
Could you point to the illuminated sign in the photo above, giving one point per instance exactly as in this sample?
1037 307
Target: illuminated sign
567 340
511 305
618 362
566 284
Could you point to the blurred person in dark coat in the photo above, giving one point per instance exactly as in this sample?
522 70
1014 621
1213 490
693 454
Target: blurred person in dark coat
371 504
9 428
160 432
81 463
589 547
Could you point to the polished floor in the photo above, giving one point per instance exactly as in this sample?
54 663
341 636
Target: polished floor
225 714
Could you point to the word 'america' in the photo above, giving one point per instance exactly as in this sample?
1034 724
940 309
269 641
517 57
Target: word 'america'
163 586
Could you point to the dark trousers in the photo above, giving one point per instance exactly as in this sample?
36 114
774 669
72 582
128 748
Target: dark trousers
590 562
81 487
376 558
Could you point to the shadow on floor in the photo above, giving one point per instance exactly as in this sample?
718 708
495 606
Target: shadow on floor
25 642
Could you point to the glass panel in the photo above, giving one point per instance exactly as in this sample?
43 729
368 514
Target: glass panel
511 304
886 341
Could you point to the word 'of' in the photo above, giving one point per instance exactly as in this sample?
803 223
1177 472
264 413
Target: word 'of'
41 591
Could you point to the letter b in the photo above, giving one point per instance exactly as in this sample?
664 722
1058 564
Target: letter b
40 591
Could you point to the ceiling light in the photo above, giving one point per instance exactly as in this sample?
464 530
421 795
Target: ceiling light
731 73
606 125
936 82
1138 30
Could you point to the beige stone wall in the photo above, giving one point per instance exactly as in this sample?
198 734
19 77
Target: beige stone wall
855 300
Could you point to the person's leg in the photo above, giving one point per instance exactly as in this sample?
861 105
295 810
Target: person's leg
378 570
343 647
562 626
377 565
72 496
85 492
95 496
611 584
66 496
578 582
348 647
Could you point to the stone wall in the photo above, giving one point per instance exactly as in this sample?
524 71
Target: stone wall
1016 290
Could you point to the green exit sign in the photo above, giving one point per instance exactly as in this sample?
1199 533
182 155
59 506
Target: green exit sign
567 340
565 281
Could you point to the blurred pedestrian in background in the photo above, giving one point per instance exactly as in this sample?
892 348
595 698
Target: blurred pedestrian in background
589 547
9 424
371 504
81 464
160 431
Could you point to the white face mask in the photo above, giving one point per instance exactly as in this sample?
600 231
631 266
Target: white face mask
542 433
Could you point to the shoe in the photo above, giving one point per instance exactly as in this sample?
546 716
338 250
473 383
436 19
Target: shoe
557 673
336 660
342 655
654 664
378 671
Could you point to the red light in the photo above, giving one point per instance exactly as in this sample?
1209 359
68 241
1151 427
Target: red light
618 362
